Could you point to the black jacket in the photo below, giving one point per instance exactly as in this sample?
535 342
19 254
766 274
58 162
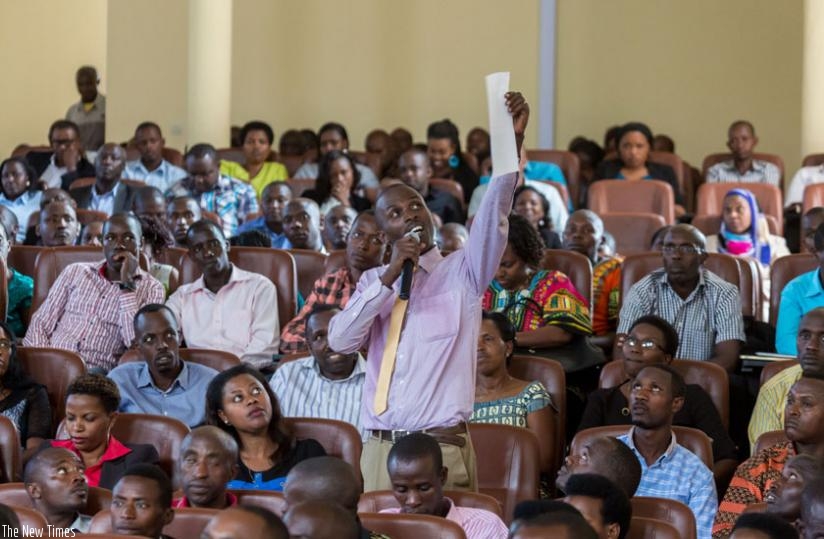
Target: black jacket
123 197
40 161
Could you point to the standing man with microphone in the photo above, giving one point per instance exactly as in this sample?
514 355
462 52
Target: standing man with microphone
420 369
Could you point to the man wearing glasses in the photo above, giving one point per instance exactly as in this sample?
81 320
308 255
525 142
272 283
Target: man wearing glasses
704 309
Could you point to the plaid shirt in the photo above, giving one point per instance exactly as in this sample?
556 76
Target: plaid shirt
751 482
232 199
332 289
711 313
759 172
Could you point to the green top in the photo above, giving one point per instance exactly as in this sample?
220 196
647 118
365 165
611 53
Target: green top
20 292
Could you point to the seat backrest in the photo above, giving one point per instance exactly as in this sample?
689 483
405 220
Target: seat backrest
16 494
85 217
377 500
31 520
813 160
774 367
574 265
173 256
216 359
508 463
749 271
268 499
335 260
813 196
407 526
675 163
569 164
711 224
769 439
173 156
276 264
676 513
80 183
231 154
552 375
693 439
23 257
51 261
784 270
12 466
710 199
338 438
299 185
310 266
55 369
646 196
716 158
652 528
632 231
188 522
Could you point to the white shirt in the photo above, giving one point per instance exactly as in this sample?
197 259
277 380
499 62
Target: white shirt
163 177
53 175
804 177
104 203
242 318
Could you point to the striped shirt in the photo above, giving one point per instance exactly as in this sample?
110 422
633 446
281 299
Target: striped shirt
476 523
768 414
679 475
304 392
89 314
163 177
759 172
711 313
232 199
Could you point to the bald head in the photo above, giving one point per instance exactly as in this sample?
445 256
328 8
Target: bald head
301 224
324 479
245 522
38 466
321 520
696 236
213 436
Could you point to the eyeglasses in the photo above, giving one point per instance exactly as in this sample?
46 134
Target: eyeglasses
646 344
684 249
5 345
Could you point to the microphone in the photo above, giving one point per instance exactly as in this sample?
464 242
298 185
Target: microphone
409 266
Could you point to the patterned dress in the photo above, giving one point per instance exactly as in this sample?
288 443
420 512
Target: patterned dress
513 410
606 292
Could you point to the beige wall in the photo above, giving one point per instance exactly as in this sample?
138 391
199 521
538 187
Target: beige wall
43 42
687 68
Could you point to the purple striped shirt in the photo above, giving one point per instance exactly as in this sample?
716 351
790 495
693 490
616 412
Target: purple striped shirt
476 523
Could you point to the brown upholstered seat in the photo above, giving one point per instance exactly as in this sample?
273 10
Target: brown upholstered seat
31 521
378 500
652 528
338 438
676 164
647 196
335 260
398 526
268 499
813 160
784 270
10 451
572 264
749 271
678 514
710 199
715 158
693 439
508 463
52 261
632 231
55 369
773 368
299 185
569 164
23 257
90 216
188 522
216 359
16 494
769 439
310 266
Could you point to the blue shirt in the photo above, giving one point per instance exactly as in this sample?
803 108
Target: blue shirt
679 475
540 170
183 400
105 202
279 241
800 296
163 177
22 207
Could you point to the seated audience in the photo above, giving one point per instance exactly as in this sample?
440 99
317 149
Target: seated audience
156 239
92 401
801 295
804 177
761 526
240 402
804 428
336 226
810 222
257 170
602 503
253 238
65 162
337 183
90 112
811 522
544 306
57 488
414 171
273 201
92 234
141 502
19 191
534 207
604 456
10 223
663 143
478 143
108 194
90 307
451 237
503 399
311 145
446 158
149 202
365 250
161 383
321 520
668 470
326 479
207 461
151 168
417 473
378 143
58 225
634 142
301 225
245 522
226 308
327 384
784 497
768 413
705 308
743 168
19 291
233 200
589 155
180 214
403 139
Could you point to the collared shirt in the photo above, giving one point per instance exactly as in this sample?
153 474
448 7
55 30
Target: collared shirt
558 212
242 318
104 202
53 175
114 450
163 177
232 199
804 177
304 392
82 524
22 207
88 314
334 288
768 413
231 500
268 173
476 523
800 296
183 400
279 241
92 122
751 481
679 475
19 291
433 384
759 172
711 313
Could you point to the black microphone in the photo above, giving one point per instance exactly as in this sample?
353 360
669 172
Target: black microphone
409 266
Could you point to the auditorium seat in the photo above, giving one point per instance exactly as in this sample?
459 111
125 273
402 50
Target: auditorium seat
22 258
32 521
310 266
268 499
774 367
710 199
216 359
335 260
769 439
675 513
338 438
450 186
714 158
10 451
675 162
632 231
16 494
378 500
90 216
231 154
617 196
51 261
569 164
173 256
187 522
652 528
749 271
407 526
55 369
784 270
813 160
574 265
299 185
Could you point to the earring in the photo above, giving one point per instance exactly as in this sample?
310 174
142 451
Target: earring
453 161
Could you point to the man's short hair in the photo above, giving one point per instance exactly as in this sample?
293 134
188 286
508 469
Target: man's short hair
63 124
771 525
152 308
697 236
330 479
147 125
273 526
257 125
558 514
670 335
416 446
96 385
679 387
334 126
617 463
201 151
615 506
818 239
153 473
203 225
317 309
742 123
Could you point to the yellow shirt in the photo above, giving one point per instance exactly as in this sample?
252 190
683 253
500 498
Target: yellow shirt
768 414
269 172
